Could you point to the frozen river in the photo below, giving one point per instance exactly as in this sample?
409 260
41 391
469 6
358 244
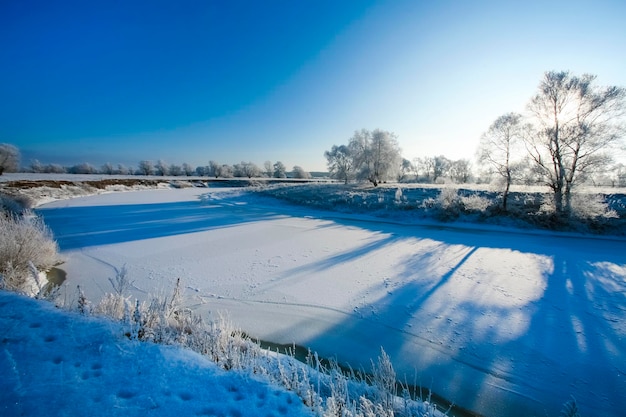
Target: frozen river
501 322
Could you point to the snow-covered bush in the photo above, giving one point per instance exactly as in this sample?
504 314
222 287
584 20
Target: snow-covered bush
14 205
448 198
476 203
26 247
590 206
115 304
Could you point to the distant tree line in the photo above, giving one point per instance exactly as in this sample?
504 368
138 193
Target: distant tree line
161 168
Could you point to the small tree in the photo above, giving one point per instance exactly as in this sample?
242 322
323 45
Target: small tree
214 169
300 173
576 123
280 171
188 170
340 163
440 167
145 168
460 171
9 158
107 169
84 168
268 169
175 170
498 148
161 168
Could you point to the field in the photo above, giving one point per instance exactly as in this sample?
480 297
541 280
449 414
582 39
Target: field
503 318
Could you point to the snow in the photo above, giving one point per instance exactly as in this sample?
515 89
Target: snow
56 363
501 322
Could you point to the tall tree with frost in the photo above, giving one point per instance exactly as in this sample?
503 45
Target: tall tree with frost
498 148
9 158
576 124
376 155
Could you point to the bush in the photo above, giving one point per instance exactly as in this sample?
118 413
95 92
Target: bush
26 247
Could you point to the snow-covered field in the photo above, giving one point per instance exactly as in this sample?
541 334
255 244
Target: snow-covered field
501 322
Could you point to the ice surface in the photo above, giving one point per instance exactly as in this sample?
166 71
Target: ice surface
502 322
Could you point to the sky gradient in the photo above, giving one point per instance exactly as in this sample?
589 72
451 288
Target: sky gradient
190 81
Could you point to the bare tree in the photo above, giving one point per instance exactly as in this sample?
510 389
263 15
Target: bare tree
9 158
576 124
498 148
340 163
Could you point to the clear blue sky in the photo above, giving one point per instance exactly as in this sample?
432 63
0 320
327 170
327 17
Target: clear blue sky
189 81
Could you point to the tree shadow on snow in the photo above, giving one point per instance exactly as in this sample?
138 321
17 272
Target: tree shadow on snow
505 358
79 227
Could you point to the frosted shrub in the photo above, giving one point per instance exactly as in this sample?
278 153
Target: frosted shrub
475 203
588 206
115 304
384 379
26 244
448 198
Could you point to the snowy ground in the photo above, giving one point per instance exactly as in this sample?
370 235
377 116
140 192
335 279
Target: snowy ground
56 363
501 322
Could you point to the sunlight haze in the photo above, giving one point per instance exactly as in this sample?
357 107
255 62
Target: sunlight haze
254 81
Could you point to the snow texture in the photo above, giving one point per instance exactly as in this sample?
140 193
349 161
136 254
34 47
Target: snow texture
57 363
501 322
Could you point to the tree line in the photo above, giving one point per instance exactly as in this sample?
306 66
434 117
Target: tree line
10 162
567 136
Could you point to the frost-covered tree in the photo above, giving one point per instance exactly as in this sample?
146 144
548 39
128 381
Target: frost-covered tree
175 170
213 169
576 124
84 168
499 147
405 168
145 168
122 170
246 169
440 167
300 173
9 158
107 169
268 169
226 171
340 163
460 171
36 166
161 168
280 171
376 155
188 170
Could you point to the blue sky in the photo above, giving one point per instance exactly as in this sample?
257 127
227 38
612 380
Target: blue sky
189 81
